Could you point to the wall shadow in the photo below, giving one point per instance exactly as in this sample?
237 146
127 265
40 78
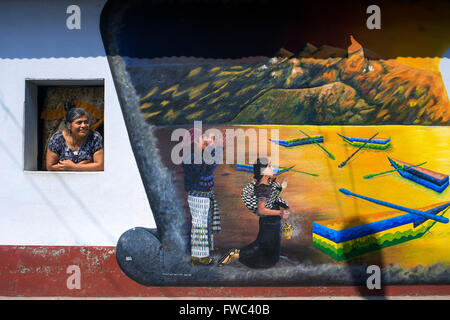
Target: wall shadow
223 29
359 258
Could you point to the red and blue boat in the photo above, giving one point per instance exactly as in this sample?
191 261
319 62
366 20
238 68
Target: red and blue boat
425 177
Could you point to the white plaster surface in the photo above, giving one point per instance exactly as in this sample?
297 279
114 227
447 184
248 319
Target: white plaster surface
55 208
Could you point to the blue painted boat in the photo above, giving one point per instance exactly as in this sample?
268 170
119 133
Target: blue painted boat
425 177
378 144
298 141
427 215
249 168
345 238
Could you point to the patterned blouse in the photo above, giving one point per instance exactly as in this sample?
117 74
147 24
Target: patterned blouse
58 145
270 194
199 177
263 192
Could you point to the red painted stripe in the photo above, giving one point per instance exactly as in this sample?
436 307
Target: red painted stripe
41 271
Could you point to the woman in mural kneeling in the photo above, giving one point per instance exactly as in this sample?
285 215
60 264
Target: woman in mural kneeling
76 148
199 184
264 252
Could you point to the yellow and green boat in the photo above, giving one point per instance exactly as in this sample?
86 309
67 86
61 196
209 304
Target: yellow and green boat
377 144
298 141
346 238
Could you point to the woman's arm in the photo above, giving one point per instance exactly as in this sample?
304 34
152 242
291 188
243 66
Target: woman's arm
263 210
51 161
97 163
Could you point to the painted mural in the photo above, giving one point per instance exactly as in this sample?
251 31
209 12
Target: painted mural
354 126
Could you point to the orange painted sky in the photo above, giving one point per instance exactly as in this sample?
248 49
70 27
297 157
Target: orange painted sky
421 63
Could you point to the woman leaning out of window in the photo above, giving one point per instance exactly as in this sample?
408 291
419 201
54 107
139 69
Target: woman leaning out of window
75 148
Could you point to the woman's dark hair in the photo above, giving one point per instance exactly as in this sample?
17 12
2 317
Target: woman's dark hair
258 167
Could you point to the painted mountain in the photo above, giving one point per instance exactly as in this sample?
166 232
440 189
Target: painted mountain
325 85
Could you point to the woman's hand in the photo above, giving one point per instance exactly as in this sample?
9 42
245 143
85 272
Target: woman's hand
284 214
284 183
54 164
66 165
69 165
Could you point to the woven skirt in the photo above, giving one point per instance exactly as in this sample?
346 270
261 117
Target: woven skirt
205 221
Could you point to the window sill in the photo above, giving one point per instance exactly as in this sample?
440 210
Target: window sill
63 172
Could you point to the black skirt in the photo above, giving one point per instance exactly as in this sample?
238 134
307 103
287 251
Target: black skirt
264 252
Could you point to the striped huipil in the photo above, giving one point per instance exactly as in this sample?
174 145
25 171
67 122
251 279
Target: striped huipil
199 184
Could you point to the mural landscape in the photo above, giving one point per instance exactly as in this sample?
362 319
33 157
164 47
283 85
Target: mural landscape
323 85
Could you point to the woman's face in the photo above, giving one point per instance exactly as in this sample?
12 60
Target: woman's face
268 171
208 140
80 126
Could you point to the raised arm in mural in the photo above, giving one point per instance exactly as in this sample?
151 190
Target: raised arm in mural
77 147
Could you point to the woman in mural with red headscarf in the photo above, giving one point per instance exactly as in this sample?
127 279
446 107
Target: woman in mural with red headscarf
198 173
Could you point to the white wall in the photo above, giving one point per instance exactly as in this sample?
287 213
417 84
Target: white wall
54 208
445 70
